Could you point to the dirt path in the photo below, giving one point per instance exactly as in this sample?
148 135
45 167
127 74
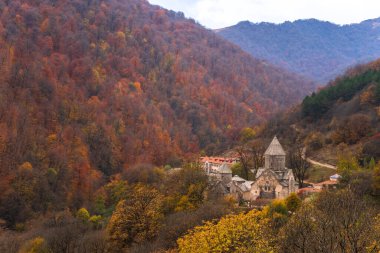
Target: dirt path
329 166
325 165
313 162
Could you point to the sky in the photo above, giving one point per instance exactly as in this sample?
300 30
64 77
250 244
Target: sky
222 13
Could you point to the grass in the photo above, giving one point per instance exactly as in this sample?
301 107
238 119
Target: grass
317 174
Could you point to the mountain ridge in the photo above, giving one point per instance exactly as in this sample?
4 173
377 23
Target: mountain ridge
318 50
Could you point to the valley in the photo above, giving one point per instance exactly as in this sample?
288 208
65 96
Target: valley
128 127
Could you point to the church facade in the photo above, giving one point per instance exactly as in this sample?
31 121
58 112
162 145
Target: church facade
274 180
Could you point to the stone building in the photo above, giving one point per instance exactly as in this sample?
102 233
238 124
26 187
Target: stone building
212 165
240 188
274 180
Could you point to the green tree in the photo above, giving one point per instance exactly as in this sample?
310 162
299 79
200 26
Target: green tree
347 165
293 202
277 212
185 188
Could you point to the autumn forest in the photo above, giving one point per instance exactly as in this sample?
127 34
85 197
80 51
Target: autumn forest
106 107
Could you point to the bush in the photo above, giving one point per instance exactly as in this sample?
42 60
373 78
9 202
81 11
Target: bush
293 202
36 245
83 214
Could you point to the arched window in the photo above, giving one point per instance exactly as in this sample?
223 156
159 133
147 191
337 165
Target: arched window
267 186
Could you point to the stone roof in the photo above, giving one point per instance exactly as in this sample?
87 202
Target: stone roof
248 184
281 176
219 186
242 186
275 148
225 169
238 179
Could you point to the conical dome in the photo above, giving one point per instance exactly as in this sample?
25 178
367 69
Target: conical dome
275 148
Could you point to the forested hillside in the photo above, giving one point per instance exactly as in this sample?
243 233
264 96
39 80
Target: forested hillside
342 117
316 49
90 88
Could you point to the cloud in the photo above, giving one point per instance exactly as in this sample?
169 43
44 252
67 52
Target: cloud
222 13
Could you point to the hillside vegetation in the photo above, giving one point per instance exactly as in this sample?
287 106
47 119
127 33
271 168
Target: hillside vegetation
90 88
316 49
344 116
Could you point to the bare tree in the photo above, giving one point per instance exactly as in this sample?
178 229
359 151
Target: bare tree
251 157
257 151
297 161
245 159
335 222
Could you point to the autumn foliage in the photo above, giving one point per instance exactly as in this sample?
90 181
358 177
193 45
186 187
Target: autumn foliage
90 88
234 233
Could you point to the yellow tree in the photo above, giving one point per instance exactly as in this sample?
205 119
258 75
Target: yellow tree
136 219
249 232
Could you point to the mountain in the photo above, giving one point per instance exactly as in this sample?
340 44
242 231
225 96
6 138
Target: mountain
315 49
91 88
342 118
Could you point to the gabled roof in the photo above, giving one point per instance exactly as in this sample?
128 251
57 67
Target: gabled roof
279 175
263 171
242 186
219 186
248 184
275 148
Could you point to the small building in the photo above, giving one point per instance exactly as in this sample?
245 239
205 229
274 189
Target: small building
224 174
240 188
212 164
335 177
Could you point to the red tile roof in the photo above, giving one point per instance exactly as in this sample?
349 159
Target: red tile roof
308 190
327 182
219 160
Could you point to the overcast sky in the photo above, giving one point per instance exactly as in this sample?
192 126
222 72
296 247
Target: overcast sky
222 13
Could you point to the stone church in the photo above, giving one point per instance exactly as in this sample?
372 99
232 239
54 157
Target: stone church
274 180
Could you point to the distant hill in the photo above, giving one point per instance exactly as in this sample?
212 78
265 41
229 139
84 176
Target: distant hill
315 49
341 118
